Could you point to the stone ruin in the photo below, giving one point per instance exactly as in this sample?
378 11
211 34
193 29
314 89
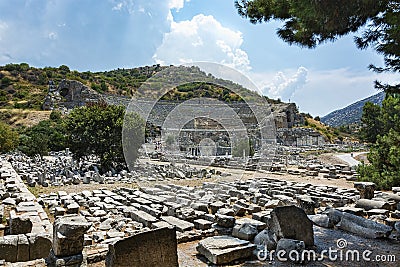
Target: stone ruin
230 220
69 94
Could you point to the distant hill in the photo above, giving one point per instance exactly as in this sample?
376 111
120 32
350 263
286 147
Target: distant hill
25 87
352 113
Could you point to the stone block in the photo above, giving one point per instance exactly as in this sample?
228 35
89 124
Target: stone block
23 248
290 245
366 189
369 204
245 231
180 225
224 249
292 222
39 245
20 224
68 235
152 248
143 217
202 224
9 248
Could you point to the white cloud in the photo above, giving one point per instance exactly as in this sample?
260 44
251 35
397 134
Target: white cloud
176 4
202 38
121 5
118 6
282 86
320 91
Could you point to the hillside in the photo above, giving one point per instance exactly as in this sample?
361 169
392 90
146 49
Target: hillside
352 113
25 87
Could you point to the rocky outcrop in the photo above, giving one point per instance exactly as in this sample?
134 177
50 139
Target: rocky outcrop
69 94
286 115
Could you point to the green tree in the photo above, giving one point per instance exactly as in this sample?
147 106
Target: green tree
8 138
96 129
371 122
243 145
56 115
64 69
310 23
384 155
40 139
133 133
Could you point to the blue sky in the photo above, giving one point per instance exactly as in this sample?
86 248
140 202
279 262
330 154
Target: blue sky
107 34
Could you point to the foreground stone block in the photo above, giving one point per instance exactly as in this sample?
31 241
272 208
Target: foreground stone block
245 231
68 235
321 220
224 249
23 248
39 245
152 248
292 222
19 224
267 239
9 248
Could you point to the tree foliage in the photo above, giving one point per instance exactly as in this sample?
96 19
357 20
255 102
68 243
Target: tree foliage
46 136
371 122
310 23
8 138
384 156
96 129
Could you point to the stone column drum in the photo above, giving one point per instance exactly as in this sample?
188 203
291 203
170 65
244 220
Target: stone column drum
68 237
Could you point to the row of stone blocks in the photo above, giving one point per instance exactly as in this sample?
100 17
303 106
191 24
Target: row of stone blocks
148 248
24 247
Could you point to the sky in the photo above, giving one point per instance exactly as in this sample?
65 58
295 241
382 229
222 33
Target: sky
97 35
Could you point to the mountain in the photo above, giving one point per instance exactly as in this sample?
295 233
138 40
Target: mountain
352 113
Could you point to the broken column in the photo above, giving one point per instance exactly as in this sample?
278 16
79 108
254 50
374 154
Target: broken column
358 225
366 189
68 237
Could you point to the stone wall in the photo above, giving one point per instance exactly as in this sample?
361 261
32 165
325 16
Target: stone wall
299 137
30 230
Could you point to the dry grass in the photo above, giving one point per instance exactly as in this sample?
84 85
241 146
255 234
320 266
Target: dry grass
20 117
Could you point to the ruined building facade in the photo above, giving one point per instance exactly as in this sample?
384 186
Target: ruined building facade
69 94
